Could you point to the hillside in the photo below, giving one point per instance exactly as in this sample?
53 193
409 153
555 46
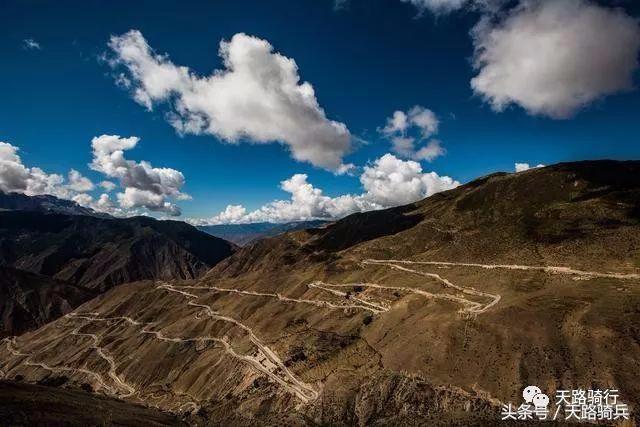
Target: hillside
243 234
25 404
53 262
435 313
30 300
99 253
45 203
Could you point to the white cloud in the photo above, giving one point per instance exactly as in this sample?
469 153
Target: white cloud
346 169
16 177
13 174
417 125
107 185
441 7
79 183
135 198
392 182
31 44
555 57
430 151
387 182
232 214
437 6
257 97
521 167
307 202
144 185
83 199
105 204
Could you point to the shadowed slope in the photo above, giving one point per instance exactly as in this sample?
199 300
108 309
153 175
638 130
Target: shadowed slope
29 300
99 253
435 313
24 404
54 262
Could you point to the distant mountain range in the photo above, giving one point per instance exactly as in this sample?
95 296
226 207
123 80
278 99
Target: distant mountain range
51 262
243 234
45 203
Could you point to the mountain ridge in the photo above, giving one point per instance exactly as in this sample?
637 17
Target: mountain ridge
93 254
436 313
244 234
45 203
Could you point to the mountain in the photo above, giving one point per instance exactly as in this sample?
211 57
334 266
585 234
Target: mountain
99 253
58 261
243 234
30 300
45 203
434 313
27 404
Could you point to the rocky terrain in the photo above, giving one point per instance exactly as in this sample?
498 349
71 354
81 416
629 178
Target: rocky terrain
435 313
53 262
30 300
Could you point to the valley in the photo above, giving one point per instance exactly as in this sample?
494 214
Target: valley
438 318
263 360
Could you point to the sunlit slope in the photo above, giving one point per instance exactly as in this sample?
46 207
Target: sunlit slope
434 313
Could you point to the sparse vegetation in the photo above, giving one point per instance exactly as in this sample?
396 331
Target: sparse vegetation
421 361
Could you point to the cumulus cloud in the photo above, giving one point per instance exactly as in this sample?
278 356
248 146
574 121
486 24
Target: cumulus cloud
135 197
13 174
104 204
232 214
416 126
521 167
83 199
31 44
257 97
144 185
437 6
107 185
79 183
555 57
33 181
306 202
390 181
387 182
16 177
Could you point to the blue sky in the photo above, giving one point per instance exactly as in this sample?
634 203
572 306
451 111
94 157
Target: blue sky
364 61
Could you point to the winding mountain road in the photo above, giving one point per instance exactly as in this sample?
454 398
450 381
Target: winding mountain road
545 268
11 344
364 305
469 306
265 360
104 354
